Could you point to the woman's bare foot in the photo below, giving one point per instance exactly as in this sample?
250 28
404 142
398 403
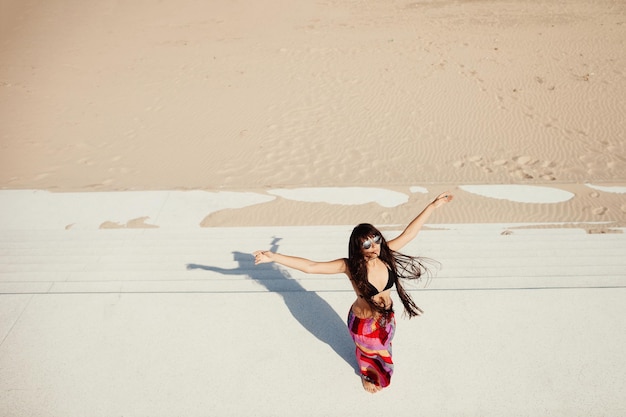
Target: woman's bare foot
370 386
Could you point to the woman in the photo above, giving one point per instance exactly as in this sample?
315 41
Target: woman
373 267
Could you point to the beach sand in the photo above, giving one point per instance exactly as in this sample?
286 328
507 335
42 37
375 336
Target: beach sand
276 95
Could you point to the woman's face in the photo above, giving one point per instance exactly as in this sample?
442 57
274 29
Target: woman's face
371 246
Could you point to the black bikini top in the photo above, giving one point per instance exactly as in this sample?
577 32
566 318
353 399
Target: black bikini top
391 280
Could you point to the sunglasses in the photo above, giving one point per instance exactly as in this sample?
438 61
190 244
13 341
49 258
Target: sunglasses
369 242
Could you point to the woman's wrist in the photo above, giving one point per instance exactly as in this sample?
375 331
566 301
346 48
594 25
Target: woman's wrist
442 199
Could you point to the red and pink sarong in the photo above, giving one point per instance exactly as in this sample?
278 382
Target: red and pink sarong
372 338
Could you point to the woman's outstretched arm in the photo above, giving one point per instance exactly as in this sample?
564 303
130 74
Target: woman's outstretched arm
416 224
301 264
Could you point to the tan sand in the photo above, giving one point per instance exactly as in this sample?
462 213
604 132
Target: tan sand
150 95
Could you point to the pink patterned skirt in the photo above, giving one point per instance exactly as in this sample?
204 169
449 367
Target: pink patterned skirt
372 338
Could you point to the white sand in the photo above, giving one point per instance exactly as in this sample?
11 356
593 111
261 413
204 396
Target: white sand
346 195
520 193
179 322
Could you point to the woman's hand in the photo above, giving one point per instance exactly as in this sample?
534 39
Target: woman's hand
442 199
262 257
416 224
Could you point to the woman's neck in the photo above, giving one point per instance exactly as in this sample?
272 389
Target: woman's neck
372 261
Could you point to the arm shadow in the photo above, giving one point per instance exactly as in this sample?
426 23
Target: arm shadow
307 307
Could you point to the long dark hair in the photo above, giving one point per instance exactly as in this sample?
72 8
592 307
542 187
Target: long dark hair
404 267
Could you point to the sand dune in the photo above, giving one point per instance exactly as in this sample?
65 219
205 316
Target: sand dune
274 95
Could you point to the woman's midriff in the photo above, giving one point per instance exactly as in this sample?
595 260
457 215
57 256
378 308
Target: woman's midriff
363 310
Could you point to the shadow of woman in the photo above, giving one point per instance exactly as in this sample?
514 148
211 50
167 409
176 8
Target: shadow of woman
307 307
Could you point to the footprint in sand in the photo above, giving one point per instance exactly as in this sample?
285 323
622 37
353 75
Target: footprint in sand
524 160
522 167
521 174
599 211
85 161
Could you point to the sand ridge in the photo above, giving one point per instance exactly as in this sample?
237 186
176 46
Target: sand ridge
583 206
